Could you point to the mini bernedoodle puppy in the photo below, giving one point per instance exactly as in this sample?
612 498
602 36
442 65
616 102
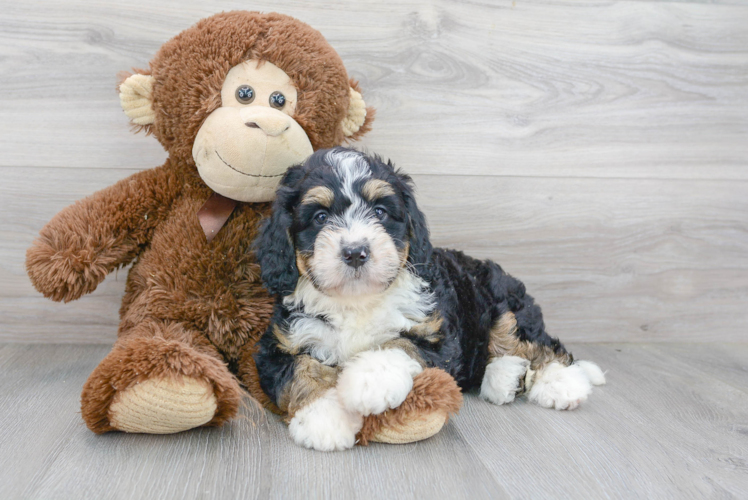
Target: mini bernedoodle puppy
365 303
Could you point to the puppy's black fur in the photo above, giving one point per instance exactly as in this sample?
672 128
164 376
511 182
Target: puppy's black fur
470 294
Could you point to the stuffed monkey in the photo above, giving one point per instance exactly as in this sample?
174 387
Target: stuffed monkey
235 100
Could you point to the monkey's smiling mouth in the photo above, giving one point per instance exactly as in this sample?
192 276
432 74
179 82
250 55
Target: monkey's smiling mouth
243 173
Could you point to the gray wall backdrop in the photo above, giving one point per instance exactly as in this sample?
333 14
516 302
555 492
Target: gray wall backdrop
597 150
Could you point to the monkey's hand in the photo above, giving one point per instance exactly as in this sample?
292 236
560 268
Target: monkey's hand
89 239
64 263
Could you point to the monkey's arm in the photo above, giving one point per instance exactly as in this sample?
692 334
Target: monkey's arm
290 379
87 240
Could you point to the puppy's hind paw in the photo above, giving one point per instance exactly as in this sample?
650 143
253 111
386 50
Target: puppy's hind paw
325 425
593 372
560 387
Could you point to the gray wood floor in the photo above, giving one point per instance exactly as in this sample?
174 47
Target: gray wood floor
671 423
597 150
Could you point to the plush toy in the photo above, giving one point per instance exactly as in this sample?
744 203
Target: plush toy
235 100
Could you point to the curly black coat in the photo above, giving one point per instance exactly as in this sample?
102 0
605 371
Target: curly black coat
471 296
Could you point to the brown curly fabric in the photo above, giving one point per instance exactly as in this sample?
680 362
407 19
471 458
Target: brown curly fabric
154 351
433 391
190 69
192 307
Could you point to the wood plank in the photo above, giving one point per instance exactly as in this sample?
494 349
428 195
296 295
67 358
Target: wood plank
608 259
659 429
31 197
40 400
663 427
251 458
244 460
603 89
719 361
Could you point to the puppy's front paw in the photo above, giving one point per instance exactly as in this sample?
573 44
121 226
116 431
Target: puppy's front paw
325 425
374 381
501 381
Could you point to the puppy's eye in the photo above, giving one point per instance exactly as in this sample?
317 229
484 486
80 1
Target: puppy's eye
380 213
277 100
245 94
320 218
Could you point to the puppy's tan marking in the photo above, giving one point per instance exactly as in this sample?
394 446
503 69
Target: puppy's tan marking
407 346
319 194
429 330
283 341
505 326
403 255
376 189
503 341
302 263
311 379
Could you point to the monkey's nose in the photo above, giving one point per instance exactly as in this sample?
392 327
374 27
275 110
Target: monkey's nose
356 256
270 127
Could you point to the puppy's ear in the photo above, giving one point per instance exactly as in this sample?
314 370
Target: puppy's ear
419 254
274 249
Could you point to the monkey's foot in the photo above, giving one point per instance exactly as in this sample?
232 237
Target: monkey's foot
158 386
163 406
418 428
435 395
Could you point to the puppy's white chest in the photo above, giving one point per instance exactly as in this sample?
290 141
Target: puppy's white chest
333 332
338 337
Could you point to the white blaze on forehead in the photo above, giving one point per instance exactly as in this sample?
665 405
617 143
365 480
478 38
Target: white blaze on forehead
350 166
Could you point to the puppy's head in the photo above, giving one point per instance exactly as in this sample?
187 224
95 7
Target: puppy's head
346 221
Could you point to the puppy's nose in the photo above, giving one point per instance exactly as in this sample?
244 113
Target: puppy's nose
356 256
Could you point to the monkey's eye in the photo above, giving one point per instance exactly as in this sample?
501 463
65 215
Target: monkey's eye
245 94
320 218
277 100
380 212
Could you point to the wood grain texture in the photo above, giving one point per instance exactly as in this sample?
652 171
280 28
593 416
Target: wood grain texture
605 89
661 428
595 149
672 266
669 424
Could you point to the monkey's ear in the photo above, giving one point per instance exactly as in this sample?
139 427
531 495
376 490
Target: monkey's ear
358 120
135 97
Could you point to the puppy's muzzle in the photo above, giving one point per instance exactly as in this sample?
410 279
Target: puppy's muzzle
355 256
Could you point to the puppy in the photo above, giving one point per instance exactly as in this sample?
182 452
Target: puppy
365 303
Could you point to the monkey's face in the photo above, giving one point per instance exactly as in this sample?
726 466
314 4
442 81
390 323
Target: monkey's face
243 96
244 147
